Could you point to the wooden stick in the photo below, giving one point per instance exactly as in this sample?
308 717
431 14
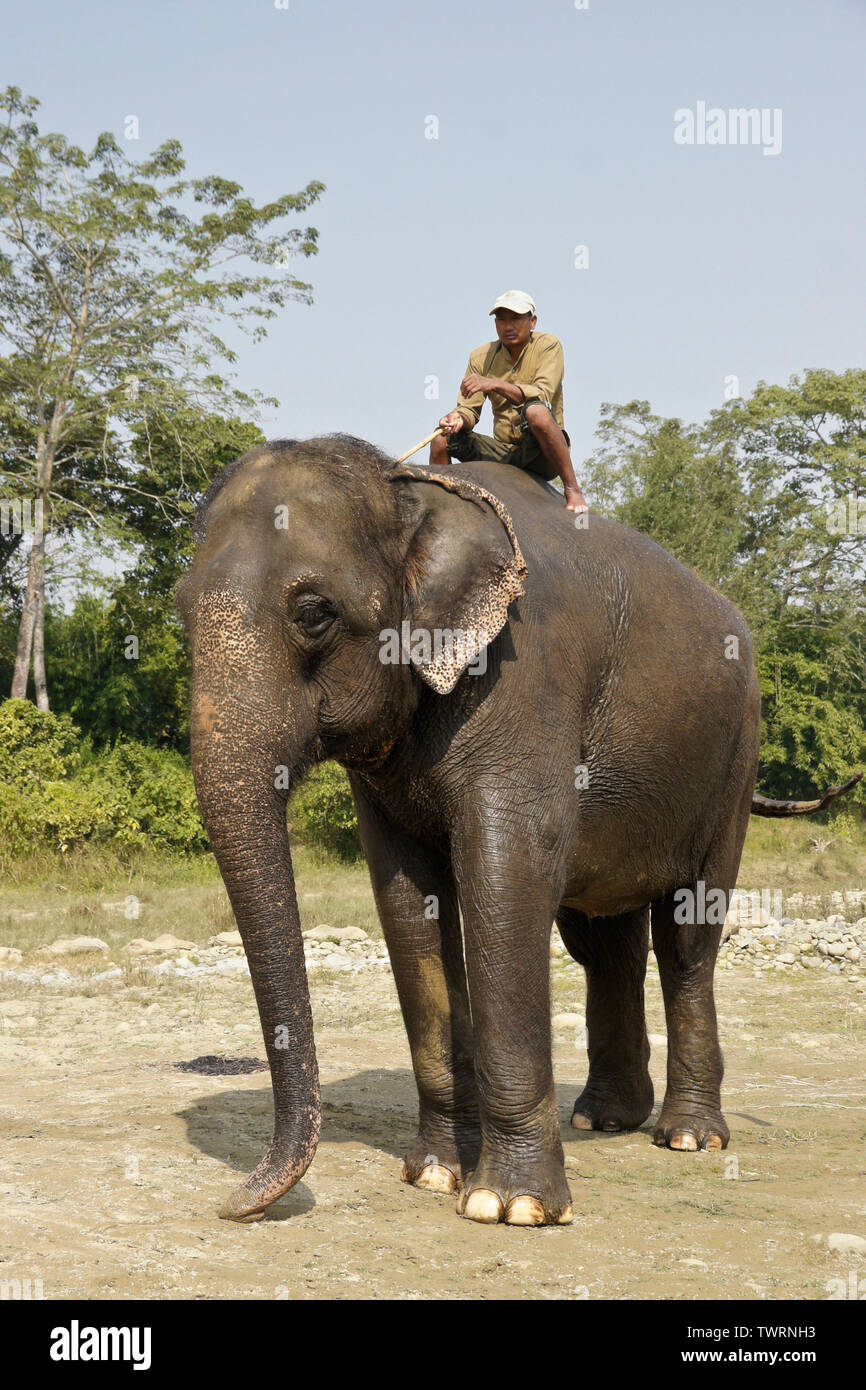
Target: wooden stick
409 452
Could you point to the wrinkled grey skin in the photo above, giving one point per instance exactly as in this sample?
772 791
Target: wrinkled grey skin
605 758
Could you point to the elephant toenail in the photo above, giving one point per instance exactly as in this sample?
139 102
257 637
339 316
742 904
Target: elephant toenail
483 1205
684 1141
525 1211
436 1178
579 1121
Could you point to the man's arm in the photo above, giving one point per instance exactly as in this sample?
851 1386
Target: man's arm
547 378
469 403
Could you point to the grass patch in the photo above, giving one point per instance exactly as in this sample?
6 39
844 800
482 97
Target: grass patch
781 854
93 892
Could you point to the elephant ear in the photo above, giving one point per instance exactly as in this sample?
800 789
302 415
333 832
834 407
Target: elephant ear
463 567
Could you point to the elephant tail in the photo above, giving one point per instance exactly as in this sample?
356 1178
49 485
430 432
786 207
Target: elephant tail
764 806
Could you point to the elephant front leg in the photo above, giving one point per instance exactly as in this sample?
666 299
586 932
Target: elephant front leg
417 904
507 911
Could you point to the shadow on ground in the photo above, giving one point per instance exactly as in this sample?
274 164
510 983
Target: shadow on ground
377 1108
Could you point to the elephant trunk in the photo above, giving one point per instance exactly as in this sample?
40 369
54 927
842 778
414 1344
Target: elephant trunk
239 744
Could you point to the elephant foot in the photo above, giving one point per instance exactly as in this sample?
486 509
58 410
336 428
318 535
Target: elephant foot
436 1162
613 1107
688 1127
520 1194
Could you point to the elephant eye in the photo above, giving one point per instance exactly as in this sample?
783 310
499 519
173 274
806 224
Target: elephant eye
314 616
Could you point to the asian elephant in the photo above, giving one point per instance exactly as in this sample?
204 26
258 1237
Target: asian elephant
540 720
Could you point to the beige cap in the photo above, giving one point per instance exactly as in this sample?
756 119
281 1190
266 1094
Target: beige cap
518 301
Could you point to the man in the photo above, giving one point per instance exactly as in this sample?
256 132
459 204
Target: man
522 375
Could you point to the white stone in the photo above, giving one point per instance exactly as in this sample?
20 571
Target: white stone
226 938
845 1244
337 961
338 934
73 946
160 945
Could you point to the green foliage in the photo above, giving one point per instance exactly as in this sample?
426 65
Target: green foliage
93 672
56 792
751 500
35 747
322 813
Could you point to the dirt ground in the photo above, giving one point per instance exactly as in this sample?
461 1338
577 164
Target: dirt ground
115 1162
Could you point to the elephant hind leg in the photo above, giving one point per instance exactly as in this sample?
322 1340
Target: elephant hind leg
687 927
618 1093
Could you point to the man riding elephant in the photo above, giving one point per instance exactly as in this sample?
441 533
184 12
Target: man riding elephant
521 374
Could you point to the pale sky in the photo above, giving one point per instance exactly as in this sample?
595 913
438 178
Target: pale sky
555 130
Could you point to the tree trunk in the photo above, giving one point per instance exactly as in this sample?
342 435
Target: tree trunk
39 680
33 612
35 586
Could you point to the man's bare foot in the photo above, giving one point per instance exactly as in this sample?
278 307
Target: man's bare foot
575 500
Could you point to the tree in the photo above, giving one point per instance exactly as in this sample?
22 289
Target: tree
767 501
112 286
118 662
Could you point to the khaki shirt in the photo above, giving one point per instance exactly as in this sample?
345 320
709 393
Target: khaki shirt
537 371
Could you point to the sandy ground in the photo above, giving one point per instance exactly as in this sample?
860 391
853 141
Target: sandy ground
114 1161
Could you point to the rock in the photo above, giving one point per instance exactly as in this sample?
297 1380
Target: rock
836 948
787 958
337 961
658 1040
853 953
844 1244
339 934
160 945
10 954
226 938
73 946
557 948
123 1027
567 1020
13 1008
151 1010
234 965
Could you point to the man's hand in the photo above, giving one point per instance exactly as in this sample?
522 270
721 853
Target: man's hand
472 384
575 500
452 423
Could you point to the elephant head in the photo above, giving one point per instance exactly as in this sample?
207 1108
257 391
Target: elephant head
309 556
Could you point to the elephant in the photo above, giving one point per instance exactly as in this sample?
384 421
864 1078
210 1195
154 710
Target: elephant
542 719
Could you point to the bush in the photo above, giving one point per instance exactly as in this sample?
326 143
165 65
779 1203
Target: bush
35 747
55 791
322 813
